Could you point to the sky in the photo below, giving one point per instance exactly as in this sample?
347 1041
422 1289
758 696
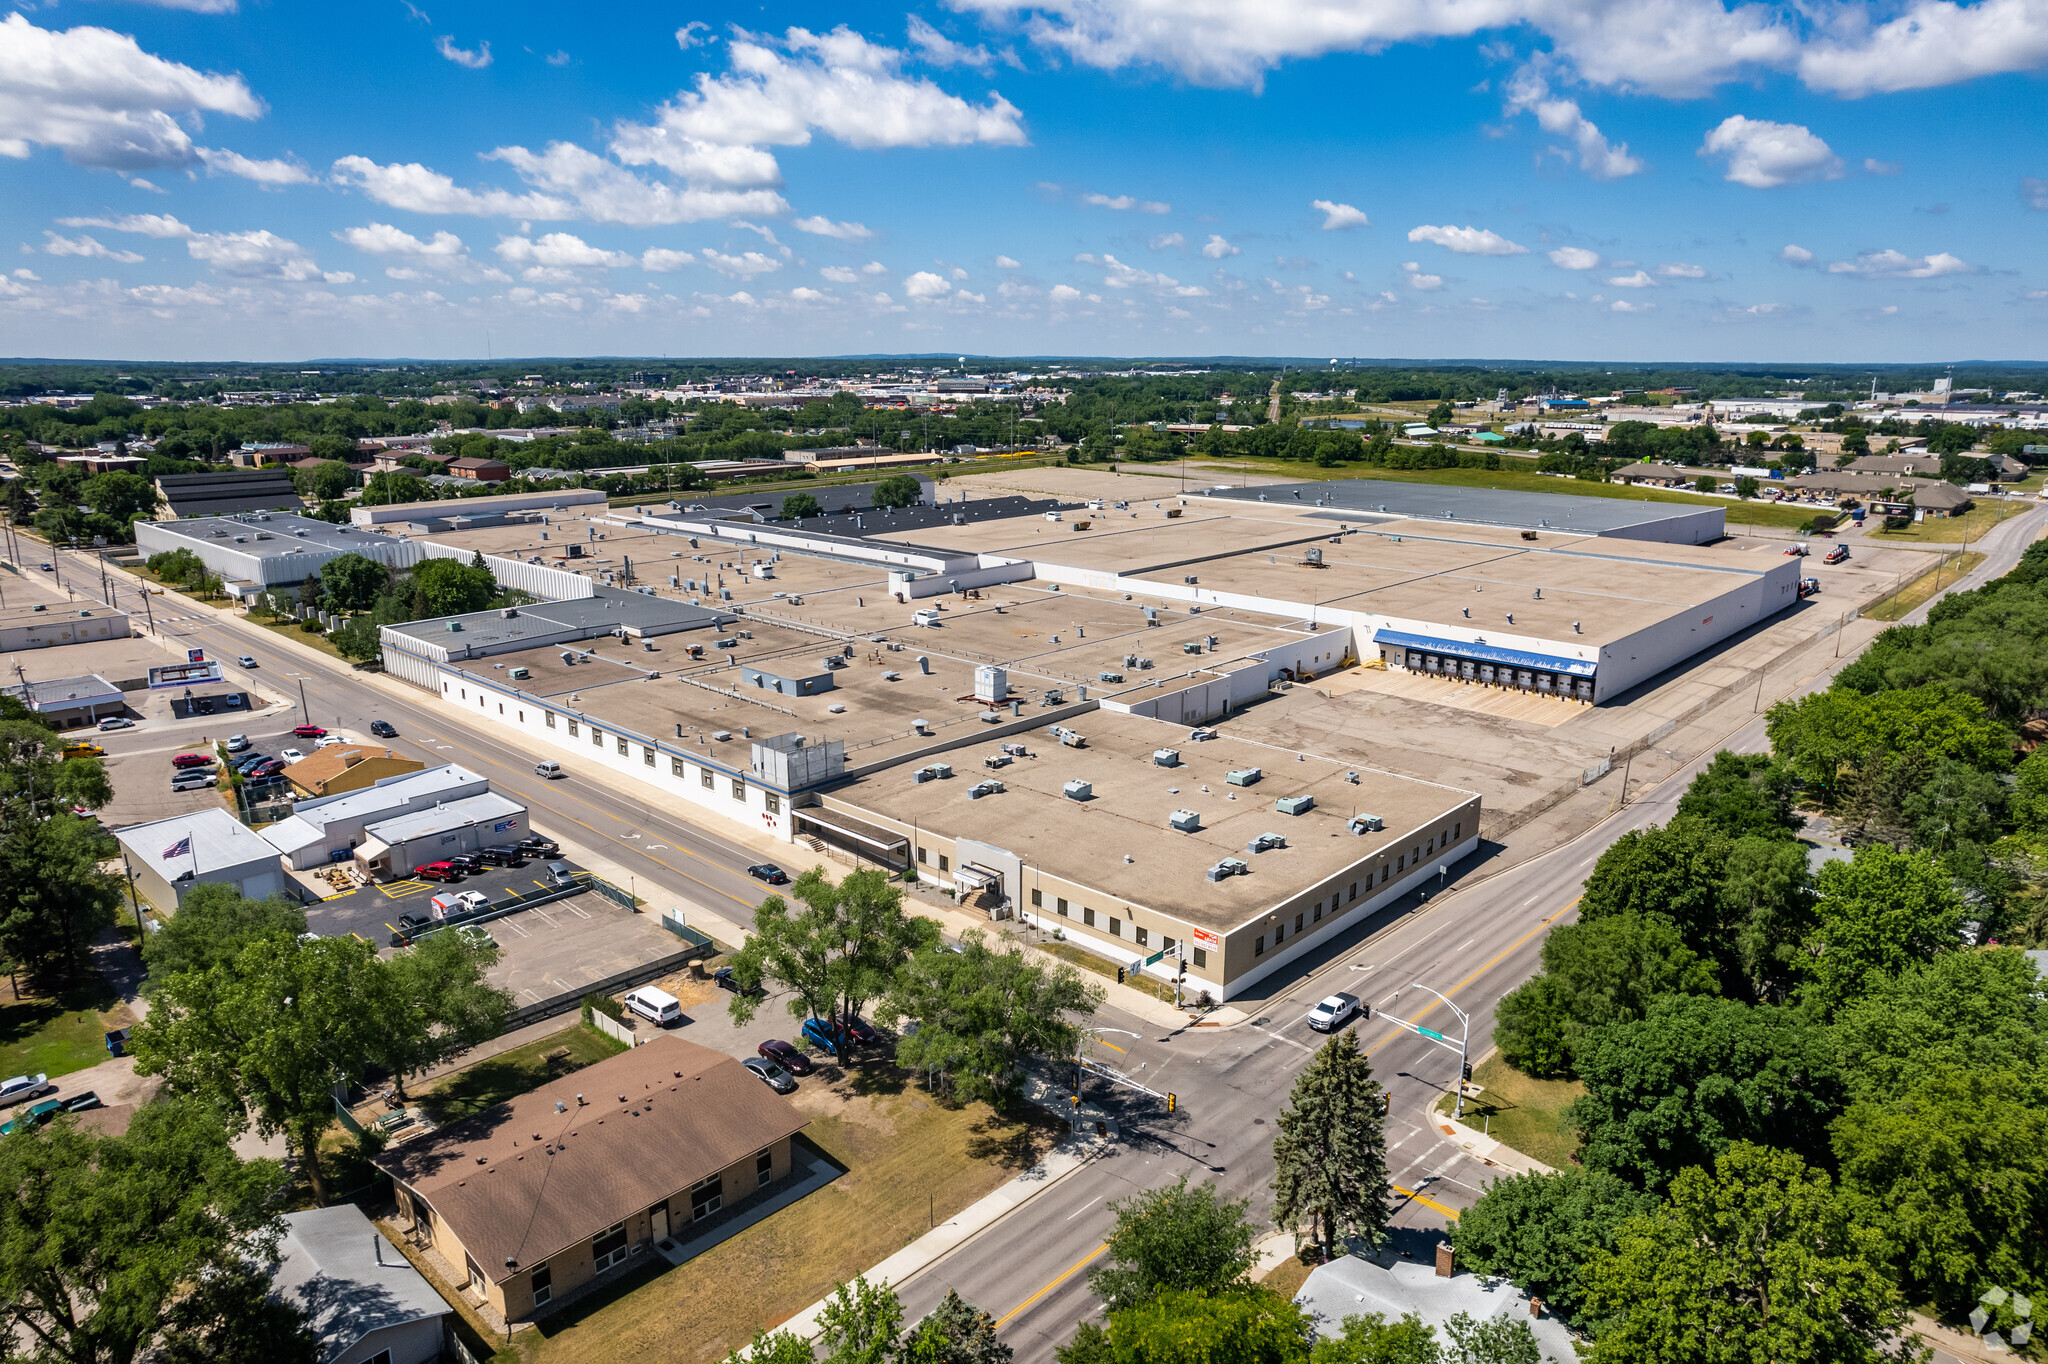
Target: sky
1653 180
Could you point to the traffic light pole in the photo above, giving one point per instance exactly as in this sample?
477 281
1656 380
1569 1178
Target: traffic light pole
1430 1035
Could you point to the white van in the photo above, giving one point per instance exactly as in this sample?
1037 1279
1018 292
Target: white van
658 1007
548 770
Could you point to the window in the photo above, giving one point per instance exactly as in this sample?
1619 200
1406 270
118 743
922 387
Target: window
1458 829
675 767
501 708
1116 927
384 1356
771 802
522 717
739 789
608 1248
1431 846
1259 945
1353 895
1037 898
476 1277
707 1195
646 756
1402 863
1201 957
1297 923
1319 911
543 1285
465 693
923 856
707 779
1060 905
1279 934
622 745
945 863
597 738
764 1168
550 717
1166 944
572 729
1143 935
1088 916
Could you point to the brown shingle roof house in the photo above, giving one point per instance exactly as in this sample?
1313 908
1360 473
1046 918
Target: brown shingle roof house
539 1195
345 767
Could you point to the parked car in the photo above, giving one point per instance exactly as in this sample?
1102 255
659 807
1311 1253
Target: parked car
193 760
245 660
194 779
244 764
78 1103
291 755
769 872
308 732
268 768
438 871
821 1034
503 855
22 1088
860 1030
233 700
466 863
382 729
476 935
413 923
327 740
772 1075
203 706
1836 555
238 743
1333 1013
474 901
534 845
786 1056
41 1113
113 722
726 980
559 874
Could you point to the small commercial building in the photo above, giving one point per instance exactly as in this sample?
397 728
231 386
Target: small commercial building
339 768
507 504
41 626
1886 492
536 1197
70 701
395 847
363 1299
228 492
328 829
170 857
259 550
1350 1286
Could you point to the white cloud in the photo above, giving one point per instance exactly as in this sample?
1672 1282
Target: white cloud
839 274
1574 258
273 172
159 225
260 254
936 48
605 192
1639 280
926 285
822 226
559 57
1006 263
476 58
1877 167
1560 117
805 294
1216 248
29 275
382 239
1064 293
196 6
2035 192
662 259
1167 241
1467 241
1677 269
416 189
1339 216
958 273
696 33
1418 280
558 251
1796 255
102 101
746 265
1928 43
874 267
1122 276
1622 305
1898 265
86 246
1124 202
1764 155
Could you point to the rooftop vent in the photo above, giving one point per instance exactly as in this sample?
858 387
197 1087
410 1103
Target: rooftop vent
1078 790
1187 821
1366 824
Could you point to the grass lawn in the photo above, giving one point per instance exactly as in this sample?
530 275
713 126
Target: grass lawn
60 1035
1949 530
475 1088
311 639
1522 1113
1916 592
904 1154
1103 966
1740 514
1287 1277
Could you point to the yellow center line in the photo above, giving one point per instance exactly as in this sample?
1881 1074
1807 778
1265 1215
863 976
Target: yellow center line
1071 1271
1425 1201
1491 962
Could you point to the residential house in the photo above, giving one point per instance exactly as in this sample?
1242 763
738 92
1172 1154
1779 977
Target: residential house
536 1197
1350 1286
480 470
363 1299
348 767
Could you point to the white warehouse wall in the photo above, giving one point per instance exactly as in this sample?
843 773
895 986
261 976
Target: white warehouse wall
1636 658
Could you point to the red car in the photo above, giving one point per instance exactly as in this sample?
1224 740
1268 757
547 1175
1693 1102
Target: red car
310 732
786 1056
438 871
193 760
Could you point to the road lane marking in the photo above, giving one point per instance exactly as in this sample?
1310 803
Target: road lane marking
1491 962
1084 1207
1068 1273
1415 1197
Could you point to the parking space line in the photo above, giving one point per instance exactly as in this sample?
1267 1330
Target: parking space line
579 913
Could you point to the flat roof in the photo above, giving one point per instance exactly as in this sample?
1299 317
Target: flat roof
218 842
390 793
282 529
56 611
607 608
1087 842
454 814
1489 506
59 692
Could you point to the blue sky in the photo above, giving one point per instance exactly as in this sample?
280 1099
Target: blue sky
1655 180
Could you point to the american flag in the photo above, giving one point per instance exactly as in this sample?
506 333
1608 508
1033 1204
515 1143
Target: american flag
182 848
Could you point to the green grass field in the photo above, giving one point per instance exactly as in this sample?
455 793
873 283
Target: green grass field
60 1035
1521 1112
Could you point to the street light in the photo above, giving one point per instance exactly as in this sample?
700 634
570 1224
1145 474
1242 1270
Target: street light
1442 1041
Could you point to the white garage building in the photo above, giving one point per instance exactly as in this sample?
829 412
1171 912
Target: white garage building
170 857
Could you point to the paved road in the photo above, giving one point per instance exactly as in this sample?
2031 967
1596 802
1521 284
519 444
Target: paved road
1473 943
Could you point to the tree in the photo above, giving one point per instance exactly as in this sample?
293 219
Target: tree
1962 1010
1539 1230
1767 898
328 480
1876 915
1743 793
859 1322
449 587
54 896
981 1012
1595 973
102 1239
445 1004
120 496
263 1038
1174 1239
213 924
1331 1151
230 1317
1496 1340
1237 1326
351 582
798 505
359 640
1695 1075
2029 798
1830 734
393 487
1755 1260
1953 1175
1371 1339
897 490
954 1332
778 1348
1675 871
1532 1026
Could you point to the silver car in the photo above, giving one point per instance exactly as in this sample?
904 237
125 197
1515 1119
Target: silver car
22 1088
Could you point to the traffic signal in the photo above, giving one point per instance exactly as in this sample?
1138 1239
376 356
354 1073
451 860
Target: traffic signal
1171 1102
1119 975
1468 1072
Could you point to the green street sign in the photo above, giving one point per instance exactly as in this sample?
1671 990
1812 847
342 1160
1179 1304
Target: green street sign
1427 1033
1156 956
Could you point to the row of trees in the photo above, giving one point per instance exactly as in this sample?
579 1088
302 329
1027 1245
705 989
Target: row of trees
54 896
373 595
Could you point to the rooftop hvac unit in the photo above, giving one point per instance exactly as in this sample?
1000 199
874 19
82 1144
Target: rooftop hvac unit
991 683
1191 647
1166 757
940 769
921 776
1109 677
996 760
991 717
721 734
1078 790
1294 805
1189 580
1229 866
1187 821
1200 735
984 788
1015 750
1247 776
1265 843
1366 824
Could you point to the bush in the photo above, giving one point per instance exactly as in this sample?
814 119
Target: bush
604 1004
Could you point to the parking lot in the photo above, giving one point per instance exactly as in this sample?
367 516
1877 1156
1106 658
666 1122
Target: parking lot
138 762
373 911
565 945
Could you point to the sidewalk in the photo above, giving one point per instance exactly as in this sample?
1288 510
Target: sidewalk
963 1226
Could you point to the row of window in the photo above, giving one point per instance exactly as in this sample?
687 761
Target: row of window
1402 861
1140 935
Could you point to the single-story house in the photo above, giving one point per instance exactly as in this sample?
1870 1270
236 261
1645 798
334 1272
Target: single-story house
201 847
543 1193
337 768
364 1300
1885 492
1663 475
329 828
395 846
1351 1287
68 701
